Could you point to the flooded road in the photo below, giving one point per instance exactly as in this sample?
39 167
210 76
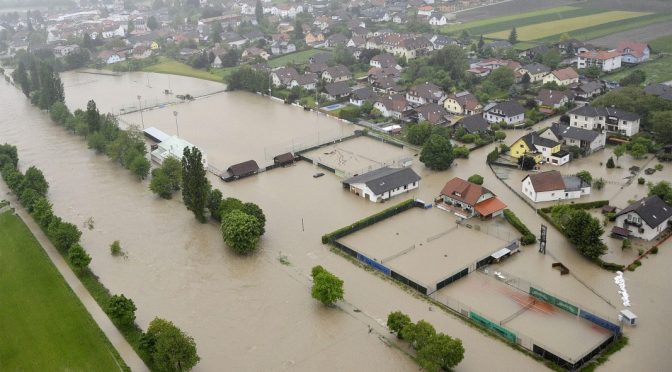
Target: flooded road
253 313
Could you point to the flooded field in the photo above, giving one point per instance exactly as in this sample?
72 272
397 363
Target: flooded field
360 155
425 245
544 324
247 313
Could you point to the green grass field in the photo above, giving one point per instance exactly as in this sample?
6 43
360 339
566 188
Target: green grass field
546 29
44 326
661 44
298 58
657 70
594 32
475 27
171 66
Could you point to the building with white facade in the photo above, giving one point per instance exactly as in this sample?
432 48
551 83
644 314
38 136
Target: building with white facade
607 119
646 218
382 184
605 60
551 185
510 112
174 146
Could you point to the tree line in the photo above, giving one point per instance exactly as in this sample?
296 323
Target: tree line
39 81
164 347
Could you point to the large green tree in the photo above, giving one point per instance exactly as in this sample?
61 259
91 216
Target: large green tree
34 179
419 133
170 349
396 321
442 352
63 234
78 257
196 187
662 125
586 233
437 153
327 287
240 231
418 334
121 309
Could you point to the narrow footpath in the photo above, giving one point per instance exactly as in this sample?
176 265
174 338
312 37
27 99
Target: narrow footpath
116 338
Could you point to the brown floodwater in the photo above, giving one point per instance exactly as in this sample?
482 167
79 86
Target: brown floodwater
254 313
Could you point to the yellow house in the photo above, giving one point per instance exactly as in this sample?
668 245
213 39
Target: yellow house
539 148
154 45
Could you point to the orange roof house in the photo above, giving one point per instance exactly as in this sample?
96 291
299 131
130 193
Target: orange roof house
473 199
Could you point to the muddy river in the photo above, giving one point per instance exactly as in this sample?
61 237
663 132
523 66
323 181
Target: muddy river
254 313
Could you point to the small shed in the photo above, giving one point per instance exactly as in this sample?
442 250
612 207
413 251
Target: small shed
608 209
155 134
620 232
628 317
284 159
240 170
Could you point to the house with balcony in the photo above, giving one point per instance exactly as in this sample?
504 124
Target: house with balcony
607 119
633 52
551 185
467 200
462 103
425 93
646 218
509 112
606 60
588 141
540 149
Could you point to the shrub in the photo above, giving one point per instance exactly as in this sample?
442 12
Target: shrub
654 250
610 163
461 152
527 238
396 321
659 167
115 248
598 184
476 178
627 244
641 180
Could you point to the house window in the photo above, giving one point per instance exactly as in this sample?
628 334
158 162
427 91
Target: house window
406 187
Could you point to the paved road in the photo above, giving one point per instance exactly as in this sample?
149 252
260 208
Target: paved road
116 338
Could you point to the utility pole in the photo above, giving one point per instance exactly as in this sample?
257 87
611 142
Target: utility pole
176 126
142 119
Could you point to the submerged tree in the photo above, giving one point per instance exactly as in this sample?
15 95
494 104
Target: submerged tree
195 188
169 347
327 287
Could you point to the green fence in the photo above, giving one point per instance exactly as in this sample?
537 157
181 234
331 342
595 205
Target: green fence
554 301
493 327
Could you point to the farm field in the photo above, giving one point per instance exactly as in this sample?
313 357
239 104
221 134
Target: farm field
511 19
657 71
44 326
502 24
661 44
296 58
651 33
546 29
171 66
611 28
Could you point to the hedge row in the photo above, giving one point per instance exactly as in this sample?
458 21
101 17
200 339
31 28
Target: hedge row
370 220
527 238
587 205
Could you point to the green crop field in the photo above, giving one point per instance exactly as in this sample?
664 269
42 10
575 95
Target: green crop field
497 20
610 28
658 70
546 29
508 22
298 58
44 326
171 66
661 44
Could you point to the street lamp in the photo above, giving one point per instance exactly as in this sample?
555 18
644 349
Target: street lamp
176 126
142 119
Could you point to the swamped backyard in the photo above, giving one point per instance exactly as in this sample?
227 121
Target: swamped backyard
239 296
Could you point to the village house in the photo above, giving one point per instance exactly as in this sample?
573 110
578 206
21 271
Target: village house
336 74
587 140
254 52
357 42
646 218
282 47
605 60
425 10
551 185
633 52
509 112
425 93
468 200
307 81
587 89
361 95
473 124
536 71
283 76
173 146
562 77
111 57
552 99
383 60
376 73
382 184
64 50
540 149
387 86
141 52
336 91
607 119
432 113
462 103
437 19
440 41
394 106
314 38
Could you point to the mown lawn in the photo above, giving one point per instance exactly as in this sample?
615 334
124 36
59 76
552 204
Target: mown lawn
171 66
658 70
594 32
477 27
661 44
43 325
298 58
546 29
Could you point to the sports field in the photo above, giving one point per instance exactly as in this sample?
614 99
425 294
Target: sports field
546 29
44 326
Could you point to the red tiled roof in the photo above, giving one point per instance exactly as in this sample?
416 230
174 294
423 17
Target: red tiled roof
599 54
547 181
489 206
464 191
636 49
565 74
